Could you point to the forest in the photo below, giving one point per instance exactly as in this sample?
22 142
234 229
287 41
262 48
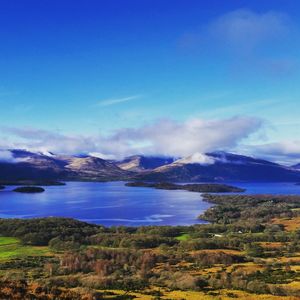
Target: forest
249 249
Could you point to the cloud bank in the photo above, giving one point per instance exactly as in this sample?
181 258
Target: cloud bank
284 151
163 137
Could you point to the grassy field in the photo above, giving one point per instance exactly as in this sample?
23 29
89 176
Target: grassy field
183 237
8 240
11 248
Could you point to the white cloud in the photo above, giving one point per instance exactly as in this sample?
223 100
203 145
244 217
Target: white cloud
197 158
243 37
164 137
190 139
44 141
7 156
284 151
195 135
240 30
109 102
244 30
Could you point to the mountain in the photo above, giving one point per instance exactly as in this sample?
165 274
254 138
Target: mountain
215 166
95 168
221 166
140 163
297 166
25 165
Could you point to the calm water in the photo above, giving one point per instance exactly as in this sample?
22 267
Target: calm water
115 204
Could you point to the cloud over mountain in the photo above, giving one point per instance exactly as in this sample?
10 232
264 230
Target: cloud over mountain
7 157
195 135
164 137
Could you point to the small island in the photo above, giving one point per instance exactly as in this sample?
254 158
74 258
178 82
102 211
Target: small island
200 188
2 187
29 189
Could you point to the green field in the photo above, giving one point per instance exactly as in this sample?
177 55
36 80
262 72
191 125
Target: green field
12 248
183 237
8 240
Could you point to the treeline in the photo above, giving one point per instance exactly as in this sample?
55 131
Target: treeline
137 241
39 231
231 209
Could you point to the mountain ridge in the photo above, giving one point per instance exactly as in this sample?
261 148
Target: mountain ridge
29 165
214 166
297 166
140 163
222 167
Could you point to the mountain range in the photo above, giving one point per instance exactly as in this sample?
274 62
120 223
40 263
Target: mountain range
26 165
215 166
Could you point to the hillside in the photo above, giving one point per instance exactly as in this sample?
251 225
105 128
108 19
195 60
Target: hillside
222 166
32 166
140 163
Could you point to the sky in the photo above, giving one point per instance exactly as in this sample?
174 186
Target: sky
153 77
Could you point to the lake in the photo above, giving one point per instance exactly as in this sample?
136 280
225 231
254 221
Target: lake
112 203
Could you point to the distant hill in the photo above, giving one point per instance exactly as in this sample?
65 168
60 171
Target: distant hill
221 166
32 166
140 163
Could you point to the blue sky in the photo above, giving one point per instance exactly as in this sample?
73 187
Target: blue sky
104 72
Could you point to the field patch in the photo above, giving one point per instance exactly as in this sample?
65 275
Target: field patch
289 224
4 240
183 237
11 248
